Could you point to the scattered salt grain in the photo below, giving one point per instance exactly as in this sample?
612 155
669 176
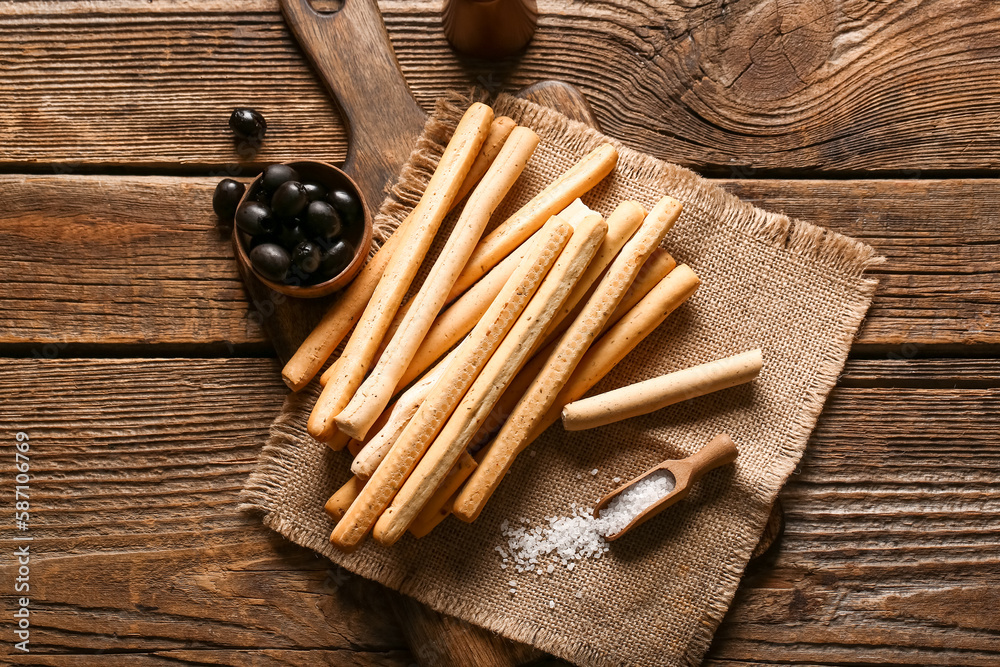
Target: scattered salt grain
552 604
617 480
579 594
594 471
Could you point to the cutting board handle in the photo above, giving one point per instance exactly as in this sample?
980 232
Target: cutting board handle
351 52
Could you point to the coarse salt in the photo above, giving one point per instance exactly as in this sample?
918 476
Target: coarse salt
564 540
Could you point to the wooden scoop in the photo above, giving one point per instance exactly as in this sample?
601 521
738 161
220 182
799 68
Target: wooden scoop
719 451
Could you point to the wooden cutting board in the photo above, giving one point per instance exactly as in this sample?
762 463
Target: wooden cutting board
351 52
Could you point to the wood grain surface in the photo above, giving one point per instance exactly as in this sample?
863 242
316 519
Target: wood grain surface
119 260
891 542
728 87
876 119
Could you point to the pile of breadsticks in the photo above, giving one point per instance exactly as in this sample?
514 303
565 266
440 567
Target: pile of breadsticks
435 397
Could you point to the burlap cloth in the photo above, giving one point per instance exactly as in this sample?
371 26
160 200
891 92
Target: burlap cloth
791 288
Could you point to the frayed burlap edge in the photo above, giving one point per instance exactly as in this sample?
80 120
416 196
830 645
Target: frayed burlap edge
811 245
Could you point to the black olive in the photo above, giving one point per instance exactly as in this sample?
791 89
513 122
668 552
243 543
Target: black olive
254 218
315 190
306 256
271 261
322 220
277 174
290 236
226 198
248 124
335 259
289 199
347 205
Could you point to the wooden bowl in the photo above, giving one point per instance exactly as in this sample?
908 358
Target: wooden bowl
360 237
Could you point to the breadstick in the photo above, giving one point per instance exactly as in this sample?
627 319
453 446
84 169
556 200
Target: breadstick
475 407
400 413
653 271
338 320
437 508
400 270
659 264
622 225
449 388
644 397
463 314
559 366
638 323
609 349
457 321
579 179
377 389
344 496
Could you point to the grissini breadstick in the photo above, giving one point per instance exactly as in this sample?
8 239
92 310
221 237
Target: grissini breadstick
377 389
343 497
437 509
466 311
356 447
656 268
499 243
463 314
458 320
432 515
400 270
609 349
559 366
622 225
475 406
621 339
338 320
449 388
398 417
653 272
649 395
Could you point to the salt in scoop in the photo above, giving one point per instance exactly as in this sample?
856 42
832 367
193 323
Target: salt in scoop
684 472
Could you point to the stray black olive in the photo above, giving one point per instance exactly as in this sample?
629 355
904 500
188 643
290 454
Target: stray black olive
289 199
248 124
226 198
271 261
347 205
277 174
335 259
315 190
254 218
322 220
290 236
306 256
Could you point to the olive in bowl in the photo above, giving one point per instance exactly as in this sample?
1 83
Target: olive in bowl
305 229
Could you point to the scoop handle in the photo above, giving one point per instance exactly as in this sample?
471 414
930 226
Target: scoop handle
719 451
351 52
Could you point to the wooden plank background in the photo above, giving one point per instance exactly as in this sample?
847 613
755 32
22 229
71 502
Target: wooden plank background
133 359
